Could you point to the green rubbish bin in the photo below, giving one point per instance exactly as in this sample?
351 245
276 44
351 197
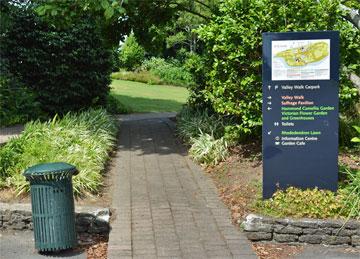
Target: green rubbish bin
52 205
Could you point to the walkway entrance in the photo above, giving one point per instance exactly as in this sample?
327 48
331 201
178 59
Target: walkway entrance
165 205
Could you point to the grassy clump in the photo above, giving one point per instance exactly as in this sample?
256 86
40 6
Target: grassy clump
204 132
191 123
316 203
82 139
207 150
138 76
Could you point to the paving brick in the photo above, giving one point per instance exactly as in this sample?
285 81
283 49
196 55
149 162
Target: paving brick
166 206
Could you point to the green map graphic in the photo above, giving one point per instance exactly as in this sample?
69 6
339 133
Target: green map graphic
304 55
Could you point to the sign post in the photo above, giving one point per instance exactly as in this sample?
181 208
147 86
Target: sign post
300 110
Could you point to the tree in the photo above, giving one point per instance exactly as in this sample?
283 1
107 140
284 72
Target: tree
131 54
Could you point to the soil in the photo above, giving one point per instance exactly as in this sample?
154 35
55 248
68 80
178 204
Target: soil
94 245
276 251
239 181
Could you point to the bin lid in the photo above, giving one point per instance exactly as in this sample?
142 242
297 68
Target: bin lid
50 169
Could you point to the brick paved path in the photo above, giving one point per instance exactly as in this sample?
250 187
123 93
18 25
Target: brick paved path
166 207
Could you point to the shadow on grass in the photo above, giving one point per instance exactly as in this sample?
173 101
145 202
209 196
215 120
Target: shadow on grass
142 104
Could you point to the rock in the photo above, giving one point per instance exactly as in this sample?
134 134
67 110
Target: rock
85 219
103 214
258 236
287 230
306 223
355 240
285 238
18 225
6 215
336 240
331 224
311 239
99 226
317 231
81 228
343 232
352 224
257 227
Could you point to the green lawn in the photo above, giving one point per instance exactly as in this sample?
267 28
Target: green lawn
140 97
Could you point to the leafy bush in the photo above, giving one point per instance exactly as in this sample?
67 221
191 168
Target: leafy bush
131 54
68 68
315 203
170 72
17 103
233 45
311 203
347 132
191 123
207 150
82 139
356 139
139 76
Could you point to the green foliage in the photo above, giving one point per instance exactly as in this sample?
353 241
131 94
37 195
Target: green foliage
170 72
191 123
356 139
68 68
142 76
131 54
204 131
347 132
207 150
17 103
315 203
310 203
82 139
351 187
234 49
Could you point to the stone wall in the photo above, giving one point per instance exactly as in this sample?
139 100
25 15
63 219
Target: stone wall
312 231
88 219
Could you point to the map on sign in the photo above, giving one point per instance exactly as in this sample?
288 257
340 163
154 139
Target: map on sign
301 60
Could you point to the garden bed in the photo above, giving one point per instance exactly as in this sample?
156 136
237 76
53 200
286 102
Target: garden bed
83 139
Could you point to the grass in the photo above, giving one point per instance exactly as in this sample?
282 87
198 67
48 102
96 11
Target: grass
140 97
82 139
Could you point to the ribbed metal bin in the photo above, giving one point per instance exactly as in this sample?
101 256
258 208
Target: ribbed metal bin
52 204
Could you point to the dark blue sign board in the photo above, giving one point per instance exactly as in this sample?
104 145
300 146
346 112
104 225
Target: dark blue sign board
300 110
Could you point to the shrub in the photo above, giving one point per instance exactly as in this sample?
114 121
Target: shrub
233 47
82 139
68 68
17 103
140 76
311 203
191 123
347 132
170 72
315 203
131 54
207 150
